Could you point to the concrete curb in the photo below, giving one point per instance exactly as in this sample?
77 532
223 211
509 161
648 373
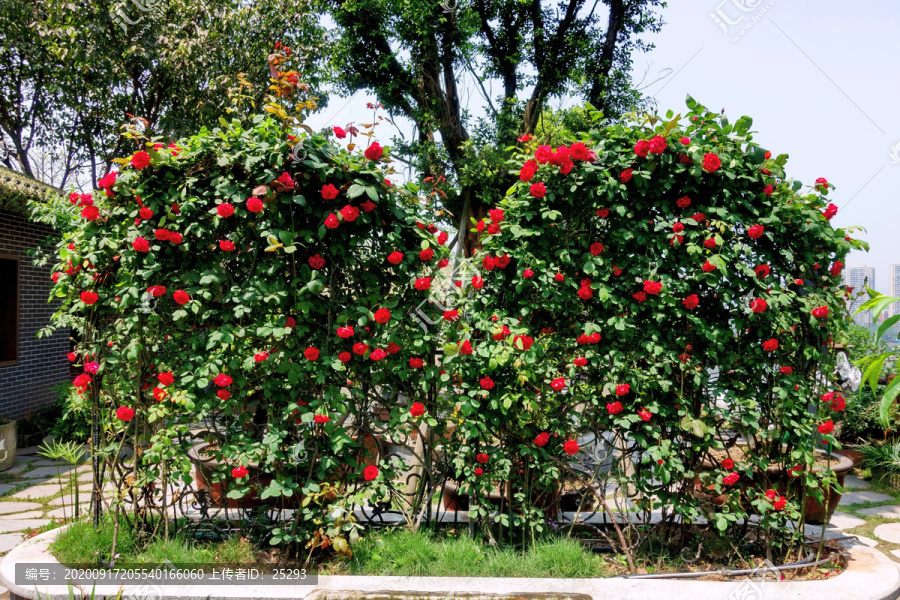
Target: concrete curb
870 575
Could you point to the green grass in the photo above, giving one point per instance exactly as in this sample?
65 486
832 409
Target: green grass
402 552
82 543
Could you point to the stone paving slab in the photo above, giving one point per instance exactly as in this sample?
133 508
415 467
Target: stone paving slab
889 532
5 488
68 500
896 553
31 514
30 450
860 497
49 472
14 507
17 468
841 520
8 541
851 482
9 525
890 511
39 491
866 541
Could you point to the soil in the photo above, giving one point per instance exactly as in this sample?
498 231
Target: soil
739 455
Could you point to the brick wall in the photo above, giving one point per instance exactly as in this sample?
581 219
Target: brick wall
42 363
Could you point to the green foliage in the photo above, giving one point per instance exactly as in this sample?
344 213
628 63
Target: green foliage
861 420
74 421
875 364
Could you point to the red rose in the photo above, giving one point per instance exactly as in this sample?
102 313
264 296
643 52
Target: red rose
642 148
107 181
691 302
311 353
146 213
260 357
486 383
482 458
652 287
338 132
345 332
239 472
331 221
709 267
140 244
528 171
585 293
89 297
645 414
523 342
478 471
579 151
541 439
538 190
770 345
416 363
581 361
685 141
698 217
830 211
762 270
623 389
527 273
479 226
596 248
374 151
603 213
524 137
543 154
558 384
254 205
780 503
316 261
768 190
367 206
124 413
321 419
658 145
786 370
225 210
175 238
614 408
559 277
443 263
285 180
711 163
378 354
290 323
820 312
626 175
570 447
344 357
140 160
503 261
349 213
639 296
156 290
465 347
72 357
162 234
502 334
426 254
423 283
758 305
710 243
678 228
826 427
442 238
395 257
91 213
329 192
683 202
226 245
821 184
477 282
451 315
755 232
731 479
728 464
836 268
382 315
393 348
417 409
166 378
181 297
223 380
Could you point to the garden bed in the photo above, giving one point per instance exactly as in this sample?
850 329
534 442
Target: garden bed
869 576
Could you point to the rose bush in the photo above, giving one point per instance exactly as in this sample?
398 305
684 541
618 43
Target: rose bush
684 292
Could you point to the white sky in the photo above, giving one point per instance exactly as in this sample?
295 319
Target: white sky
818 77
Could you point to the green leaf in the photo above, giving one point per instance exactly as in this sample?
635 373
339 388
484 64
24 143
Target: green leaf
890 393
888 323
356 190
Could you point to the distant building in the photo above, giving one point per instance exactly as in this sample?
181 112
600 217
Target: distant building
858 278
895 289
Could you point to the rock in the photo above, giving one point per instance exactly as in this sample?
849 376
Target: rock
889 511
860 497
842 520
852 482
5 488
889 532
15 507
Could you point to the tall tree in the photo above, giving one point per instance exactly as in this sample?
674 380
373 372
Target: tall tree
413 55
74 72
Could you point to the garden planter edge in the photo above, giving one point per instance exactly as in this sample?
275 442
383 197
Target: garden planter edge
870 575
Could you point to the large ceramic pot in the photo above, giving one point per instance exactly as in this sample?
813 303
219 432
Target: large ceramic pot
7 444
816 512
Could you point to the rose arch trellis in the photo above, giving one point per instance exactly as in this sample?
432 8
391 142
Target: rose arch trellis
256 313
